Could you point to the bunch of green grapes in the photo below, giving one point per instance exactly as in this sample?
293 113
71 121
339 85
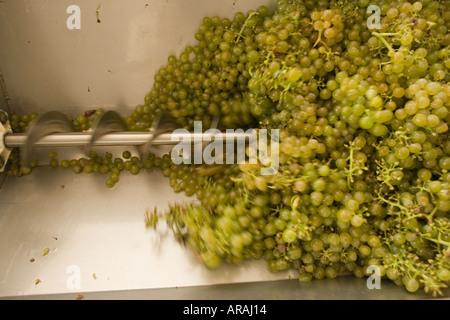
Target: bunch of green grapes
364 156
363 120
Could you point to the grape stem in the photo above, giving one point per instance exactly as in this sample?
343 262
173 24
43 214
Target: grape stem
355 167
245 24
379 36
441 228
437 241
384 173
402 209
387 34
408 265
319 38
431 215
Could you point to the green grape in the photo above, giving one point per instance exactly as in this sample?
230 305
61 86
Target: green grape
54 163
52 154
126 154
443 274
135 168
289 235
411 284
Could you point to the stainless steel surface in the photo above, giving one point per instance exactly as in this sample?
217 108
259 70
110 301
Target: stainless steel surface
110 64
99 232
342 288
2 179
94 234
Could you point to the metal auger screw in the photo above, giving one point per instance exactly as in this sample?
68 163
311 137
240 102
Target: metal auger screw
3 117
